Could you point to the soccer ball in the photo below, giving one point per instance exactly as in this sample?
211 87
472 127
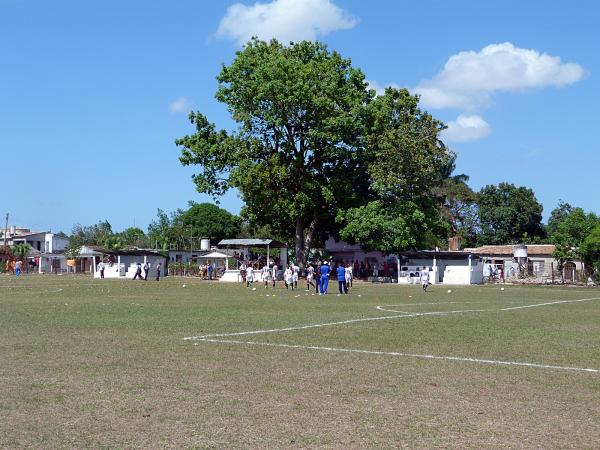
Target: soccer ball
184 286
449 291
502 289
253 289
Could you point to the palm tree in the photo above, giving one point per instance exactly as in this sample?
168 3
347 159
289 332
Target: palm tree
457 201
20 251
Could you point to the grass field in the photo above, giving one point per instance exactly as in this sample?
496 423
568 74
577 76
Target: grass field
106 364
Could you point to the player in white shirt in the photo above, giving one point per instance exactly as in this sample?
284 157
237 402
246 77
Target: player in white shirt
425 278
288 277
348 275
295 274
266 275
249 275
274 274
310 276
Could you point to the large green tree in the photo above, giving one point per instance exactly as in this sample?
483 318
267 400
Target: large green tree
568 227
405 161
133 237
183 229
509 215
294 156
91 234
208 220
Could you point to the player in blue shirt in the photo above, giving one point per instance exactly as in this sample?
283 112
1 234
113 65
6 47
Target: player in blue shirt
341 277
325 269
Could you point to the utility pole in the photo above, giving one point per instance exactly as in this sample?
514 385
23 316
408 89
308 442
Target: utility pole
5 230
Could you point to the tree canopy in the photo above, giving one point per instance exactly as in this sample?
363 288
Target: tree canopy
183 229
509 215
568 228
314 149
405 160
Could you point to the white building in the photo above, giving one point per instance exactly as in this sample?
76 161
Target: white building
47 249
447 267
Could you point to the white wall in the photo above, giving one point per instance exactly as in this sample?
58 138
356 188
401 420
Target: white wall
464 274
55 243
128 266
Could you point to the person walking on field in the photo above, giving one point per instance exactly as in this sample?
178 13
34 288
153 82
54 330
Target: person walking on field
138 272
18 268
102 270
249 275
425 279
266 275
341 277
325 270
146 270
348 273
158 267
318 279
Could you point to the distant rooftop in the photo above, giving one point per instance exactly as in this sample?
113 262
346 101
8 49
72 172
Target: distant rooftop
251 242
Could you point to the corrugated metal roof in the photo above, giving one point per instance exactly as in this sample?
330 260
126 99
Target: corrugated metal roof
252 242
214 255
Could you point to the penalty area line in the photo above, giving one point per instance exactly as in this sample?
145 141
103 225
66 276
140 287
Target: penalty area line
369 319
404 355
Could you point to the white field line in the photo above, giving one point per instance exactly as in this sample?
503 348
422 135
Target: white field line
301 327
367 319
30 290
405 355
535 305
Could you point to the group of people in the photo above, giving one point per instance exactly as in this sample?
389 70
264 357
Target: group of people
138 270
317 276
13 266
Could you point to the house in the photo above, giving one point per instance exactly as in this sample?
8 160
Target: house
120 263
46 252
41 241
534 260
447 267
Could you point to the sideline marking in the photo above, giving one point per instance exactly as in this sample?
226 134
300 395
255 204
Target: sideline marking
405 355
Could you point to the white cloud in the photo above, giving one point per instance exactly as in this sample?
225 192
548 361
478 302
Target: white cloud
469 78
466 128
285 20
380 88
181 105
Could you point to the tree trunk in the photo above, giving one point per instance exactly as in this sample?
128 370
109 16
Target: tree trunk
299 238
310 235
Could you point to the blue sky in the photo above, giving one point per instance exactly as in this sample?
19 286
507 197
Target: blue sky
93 94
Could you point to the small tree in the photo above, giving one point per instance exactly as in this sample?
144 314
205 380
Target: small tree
20 251
73 251
590 251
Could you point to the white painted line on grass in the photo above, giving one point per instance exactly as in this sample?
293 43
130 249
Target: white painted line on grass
368 319
535 305
301 327
405 355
